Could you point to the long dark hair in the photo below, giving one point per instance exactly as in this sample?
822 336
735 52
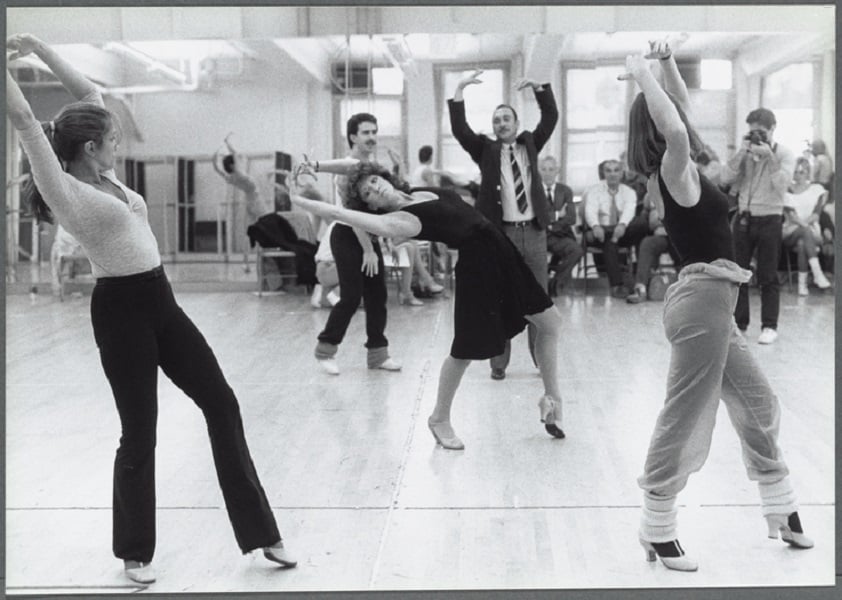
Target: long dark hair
75 125
646 144
353 200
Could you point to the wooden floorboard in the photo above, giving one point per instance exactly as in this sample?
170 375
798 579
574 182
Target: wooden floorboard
362 494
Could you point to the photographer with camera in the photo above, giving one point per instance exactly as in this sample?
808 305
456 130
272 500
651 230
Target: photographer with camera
761 170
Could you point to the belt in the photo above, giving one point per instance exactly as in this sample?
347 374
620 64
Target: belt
520 223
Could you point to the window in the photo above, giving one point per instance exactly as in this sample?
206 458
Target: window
388 110
790 94
480 102
594 121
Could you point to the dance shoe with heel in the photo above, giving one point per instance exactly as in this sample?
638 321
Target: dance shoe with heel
790 528
278 554
549 415
445 435
671 555
139 572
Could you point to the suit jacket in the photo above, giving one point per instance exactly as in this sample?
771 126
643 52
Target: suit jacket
486 153
562 205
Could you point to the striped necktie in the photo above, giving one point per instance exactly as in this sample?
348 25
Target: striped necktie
520 192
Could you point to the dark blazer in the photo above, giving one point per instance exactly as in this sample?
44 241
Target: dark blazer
486 153
562 203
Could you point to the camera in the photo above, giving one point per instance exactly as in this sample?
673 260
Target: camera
756 136
743 221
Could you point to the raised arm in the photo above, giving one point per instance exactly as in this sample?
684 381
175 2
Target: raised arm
74 82
547 106
673 82
678 171
467 138
391 225
215 162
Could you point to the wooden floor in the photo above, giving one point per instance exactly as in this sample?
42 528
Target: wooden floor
364 497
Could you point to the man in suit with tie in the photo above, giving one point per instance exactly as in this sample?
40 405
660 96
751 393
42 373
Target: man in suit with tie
511 195
564 248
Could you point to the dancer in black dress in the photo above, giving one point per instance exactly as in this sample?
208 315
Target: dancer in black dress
496 293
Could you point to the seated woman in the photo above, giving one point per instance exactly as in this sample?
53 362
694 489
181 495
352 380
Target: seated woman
406 252
651 249
803 205
496 293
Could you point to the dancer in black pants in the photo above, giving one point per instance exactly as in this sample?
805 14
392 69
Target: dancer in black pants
137 324
359 265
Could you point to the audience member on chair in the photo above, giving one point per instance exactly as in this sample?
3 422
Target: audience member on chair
648 257
609 208
565 250
803 205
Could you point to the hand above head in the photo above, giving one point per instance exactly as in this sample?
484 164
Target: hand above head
660 50
521 84
471 79
22 44
636 65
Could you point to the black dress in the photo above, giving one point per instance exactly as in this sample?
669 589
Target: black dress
494 286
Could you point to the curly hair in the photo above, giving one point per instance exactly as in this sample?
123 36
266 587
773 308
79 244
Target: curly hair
353 200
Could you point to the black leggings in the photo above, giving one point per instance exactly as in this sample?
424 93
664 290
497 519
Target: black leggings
138 327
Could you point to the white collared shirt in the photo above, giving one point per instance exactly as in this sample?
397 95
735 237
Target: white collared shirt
507 183
598 201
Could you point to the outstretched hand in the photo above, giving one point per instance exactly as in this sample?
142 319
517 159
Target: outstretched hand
525 83
471 79
306 168
660 50
635 65
21 44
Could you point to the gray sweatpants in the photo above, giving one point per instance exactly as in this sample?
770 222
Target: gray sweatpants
710 360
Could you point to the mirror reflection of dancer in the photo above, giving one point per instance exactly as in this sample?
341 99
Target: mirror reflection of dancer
710 359
496 293
137 324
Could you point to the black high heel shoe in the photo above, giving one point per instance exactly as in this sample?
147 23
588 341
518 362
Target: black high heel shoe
547 407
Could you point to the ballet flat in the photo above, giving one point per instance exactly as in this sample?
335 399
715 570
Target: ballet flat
790 528
449 443
676 563
547 407
139 572
279 555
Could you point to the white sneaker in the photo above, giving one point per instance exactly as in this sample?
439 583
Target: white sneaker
389 365
435 288
821 281
329 366
139 572
316 298
332 297
767 336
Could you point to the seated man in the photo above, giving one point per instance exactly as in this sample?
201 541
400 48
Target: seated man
561 241
649 254
609 208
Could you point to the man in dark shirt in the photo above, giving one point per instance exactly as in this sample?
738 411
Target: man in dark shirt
564 248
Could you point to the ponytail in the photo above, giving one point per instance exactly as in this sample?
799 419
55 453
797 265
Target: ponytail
29 191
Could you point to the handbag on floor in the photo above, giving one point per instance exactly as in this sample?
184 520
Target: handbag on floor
658 284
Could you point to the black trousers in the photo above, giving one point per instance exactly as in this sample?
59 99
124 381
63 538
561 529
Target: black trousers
138 327
764 234
355 286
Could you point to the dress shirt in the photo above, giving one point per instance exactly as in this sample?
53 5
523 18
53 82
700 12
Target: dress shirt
507 183
604 210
